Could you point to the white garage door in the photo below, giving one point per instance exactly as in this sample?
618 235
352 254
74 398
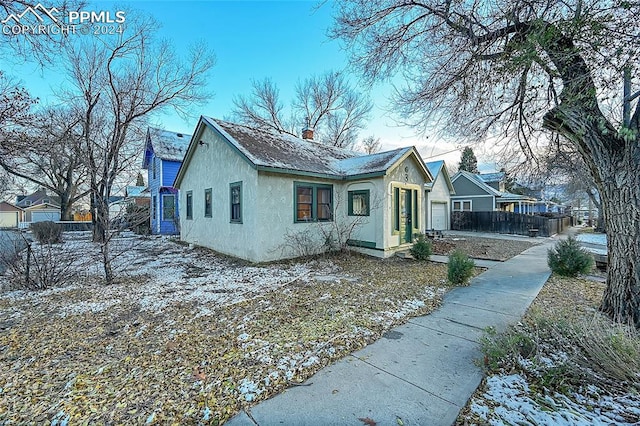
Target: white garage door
8 219
52 215
439 216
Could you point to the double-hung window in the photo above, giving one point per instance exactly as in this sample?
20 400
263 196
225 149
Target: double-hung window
168 207
313 202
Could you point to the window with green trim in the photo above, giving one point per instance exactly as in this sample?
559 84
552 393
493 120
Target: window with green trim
189 205
235 197
313 202
396 209
207 203
416 216
358 203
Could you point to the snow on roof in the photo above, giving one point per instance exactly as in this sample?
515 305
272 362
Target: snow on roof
492 177
170 146
270 149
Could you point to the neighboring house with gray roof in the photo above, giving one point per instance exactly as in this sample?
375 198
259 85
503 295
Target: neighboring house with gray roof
264 196
481 193
163 154
438 197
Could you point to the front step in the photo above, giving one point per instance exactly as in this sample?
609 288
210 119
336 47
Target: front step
404 254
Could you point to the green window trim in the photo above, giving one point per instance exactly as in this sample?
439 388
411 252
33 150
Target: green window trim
235 202
362 198
416 217
312 202
189 204
208 203
396 209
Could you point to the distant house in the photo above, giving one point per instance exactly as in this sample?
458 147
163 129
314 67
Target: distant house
138 195
39 207
438 197
264 196
486 192
163 155
10 215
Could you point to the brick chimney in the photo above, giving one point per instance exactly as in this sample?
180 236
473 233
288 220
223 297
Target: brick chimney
307 133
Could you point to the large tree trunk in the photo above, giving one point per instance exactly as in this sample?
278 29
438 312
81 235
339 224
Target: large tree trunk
614 164
621 200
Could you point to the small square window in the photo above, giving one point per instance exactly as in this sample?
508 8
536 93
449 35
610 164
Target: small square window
358 203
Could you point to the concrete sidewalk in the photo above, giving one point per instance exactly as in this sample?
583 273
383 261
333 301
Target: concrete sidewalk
421 373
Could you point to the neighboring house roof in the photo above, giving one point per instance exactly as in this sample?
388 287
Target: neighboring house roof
137 191
43 206
38 197
473 178
435 167
503 195
492 177
267 150
166 145
8 207
115 199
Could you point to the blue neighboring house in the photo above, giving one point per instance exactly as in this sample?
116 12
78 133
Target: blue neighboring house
163 155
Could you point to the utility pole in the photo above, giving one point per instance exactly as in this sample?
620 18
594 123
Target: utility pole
627 98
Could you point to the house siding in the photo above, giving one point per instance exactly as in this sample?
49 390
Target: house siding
439 193
218 232
169 172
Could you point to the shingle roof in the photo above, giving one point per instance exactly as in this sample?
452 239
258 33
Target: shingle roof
492 177
283 151
170 146
434 167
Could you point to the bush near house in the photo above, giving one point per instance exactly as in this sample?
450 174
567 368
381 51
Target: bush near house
568 259
460 267
47 232
421 249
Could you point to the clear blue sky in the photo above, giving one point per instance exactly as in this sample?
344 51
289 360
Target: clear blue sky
283 40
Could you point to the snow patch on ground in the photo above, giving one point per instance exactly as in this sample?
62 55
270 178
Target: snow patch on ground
594 238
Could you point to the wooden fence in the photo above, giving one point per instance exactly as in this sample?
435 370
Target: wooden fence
508 223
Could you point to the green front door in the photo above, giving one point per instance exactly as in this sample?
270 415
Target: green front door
406 225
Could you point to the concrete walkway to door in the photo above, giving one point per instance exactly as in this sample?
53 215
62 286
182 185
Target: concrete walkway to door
421 373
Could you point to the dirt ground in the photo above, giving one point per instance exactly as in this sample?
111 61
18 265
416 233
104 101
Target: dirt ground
482 248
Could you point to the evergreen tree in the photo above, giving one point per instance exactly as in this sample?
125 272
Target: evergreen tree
468 161
140 180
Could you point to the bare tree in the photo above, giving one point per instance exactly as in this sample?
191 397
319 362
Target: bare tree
370 145
43 46
512 69
116 82
46 152
328 104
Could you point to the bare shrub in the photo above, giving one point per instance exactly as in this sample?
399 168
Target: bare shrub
47 232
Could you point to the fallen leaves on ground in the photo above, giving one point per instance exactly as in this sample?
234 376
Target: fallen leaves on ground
189 336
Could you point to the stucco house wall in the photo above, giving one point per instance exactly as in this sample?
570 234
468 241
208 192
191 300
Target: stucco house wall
218 232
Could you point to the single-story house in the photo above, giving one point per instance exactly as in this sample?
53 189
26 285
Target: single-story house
264 196
10 215
477 192
42 212
163 154
438 197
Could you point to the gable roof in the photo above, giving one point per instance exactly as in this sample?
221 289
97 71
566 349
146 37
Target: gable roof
166 145
5 206
473 178
136 191
435 168
37 198
283 153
